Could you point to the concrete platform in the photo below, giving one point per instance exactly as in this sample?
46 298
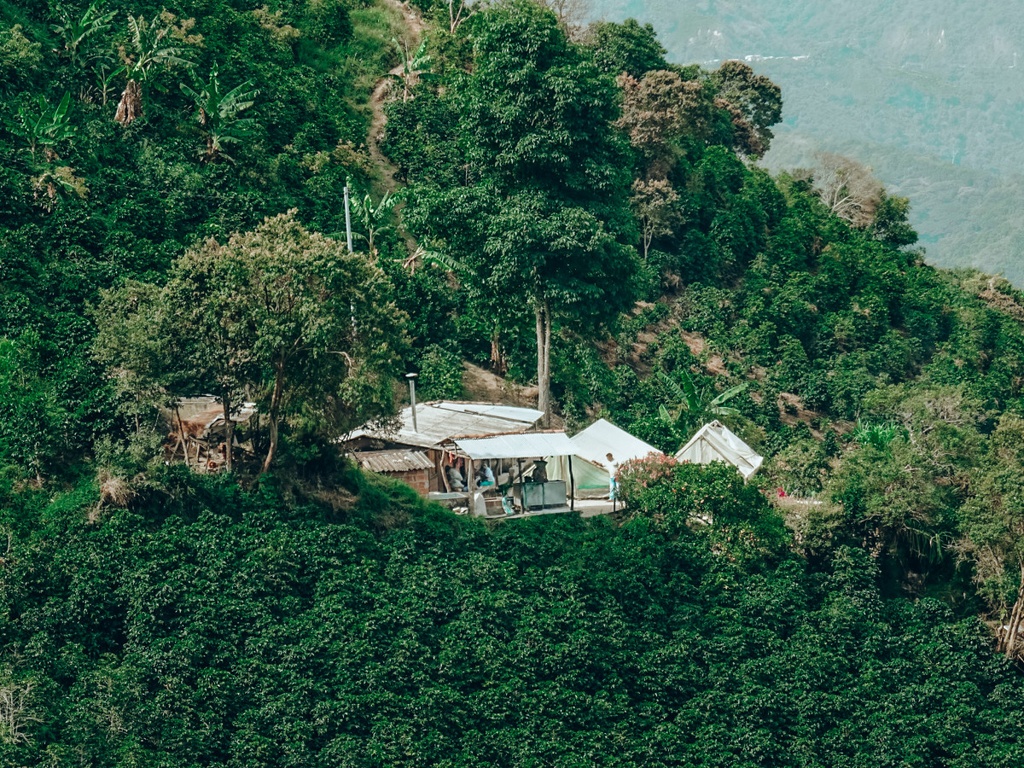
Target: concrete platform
583 508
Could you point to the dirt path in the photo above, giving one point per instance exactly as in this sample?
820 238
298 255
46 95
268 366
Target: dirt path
414 32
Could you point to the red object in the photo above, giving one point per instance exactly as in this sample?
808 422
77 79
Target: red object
782 493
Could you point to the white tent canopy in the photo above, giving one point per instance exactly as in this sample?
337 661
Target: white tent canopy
591 467
521 446
715 442
602 438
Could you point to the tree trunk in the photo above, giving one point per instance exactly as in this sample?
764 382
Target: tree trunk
544 360
497 356
274 415
130 106
1016 617
229 434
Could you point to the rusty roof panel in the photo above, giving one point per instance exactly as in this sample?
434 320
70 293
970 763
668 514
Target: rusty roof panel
386 462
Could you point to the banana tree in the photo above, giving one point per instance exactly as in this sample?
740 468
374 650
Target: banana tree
149 49
76 31
415 66
219 114
692 406
374 217
46 126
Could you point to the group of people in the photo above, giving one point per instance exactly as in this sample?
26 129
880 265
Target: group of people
456 474
485 478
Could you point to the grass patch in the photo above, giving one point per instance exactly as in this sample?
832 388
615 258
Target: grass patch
371 53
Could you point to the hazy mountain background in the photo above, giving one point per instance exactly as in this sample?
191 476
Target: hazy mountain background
928 94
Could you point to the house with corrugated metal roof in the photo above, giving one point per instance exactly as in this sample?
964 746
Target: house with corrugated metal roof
425 434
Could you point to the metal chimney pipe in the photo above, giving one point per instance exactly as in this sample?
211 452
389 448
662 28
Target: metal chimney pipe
412 398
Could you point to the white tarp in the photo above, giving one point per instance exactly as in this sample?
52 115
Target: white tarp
602 437
714 442
521 446
590 465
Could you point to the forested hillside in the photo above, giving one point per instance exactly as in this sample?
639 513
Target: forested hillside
564 207
924 93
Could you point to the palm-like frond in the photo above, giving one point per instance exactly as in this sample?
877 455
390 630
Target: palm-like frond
374 217
690 405
218 112
729 394
76 31
48 125
149 49
415 66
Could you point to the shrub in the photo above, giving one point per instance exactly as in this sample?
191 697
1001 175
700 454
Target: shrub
710 501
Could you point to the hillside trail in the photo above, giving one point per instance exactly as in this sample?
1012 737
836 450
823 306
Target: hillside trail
415 29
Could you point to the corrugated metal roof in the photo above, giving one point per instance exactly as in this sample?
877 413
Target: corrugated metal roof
602 437
385 462
510 412
440 421
525 445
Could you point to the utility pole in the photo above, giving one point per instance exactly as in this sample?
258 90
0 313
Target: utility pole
348 221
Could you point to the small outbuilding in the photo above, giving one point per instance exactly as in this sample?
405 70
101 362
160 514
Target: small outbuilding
512 490
198 431
411 467
715 442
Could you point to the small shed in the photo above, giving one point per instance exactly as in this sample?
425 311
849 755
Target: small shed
592 469
198 430
411 467
715 442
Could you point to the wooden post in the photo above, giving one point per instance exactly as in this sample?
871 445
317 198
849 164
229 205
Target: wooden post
181 434
438 471
572 488
446 486
522 494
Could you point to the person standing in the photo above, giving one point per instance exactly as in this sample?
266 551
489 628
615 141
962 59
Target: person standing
613 471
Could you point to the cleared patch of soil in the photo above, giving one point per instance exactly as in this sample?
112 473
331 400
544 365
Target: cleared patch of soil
482 385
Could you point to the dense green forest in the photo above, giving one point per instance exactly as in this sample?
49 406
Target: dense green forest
923 92
558 204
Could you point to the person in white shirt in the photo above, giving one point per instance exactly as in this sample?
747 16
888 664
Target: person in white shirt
613 471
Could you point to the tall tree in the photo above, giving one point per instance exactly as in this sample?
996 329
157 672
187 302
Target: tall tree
280 314
301 321
756 104
629 47
992 522
655 204
545 201
848 189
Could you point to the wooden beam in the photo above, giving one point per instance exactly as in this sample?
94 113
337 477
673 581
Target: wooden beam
572 488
